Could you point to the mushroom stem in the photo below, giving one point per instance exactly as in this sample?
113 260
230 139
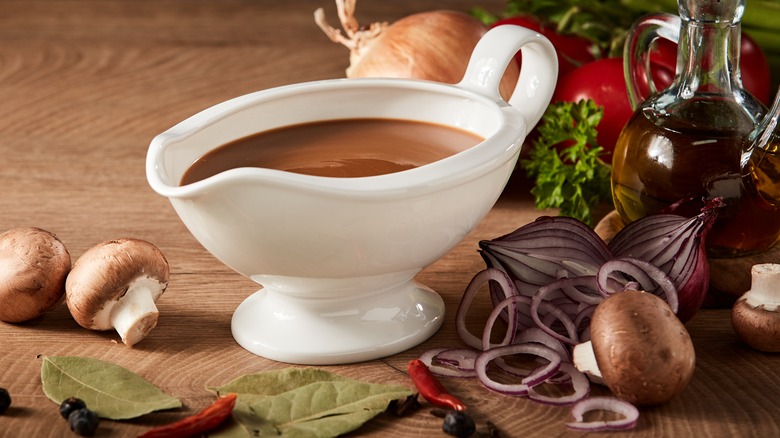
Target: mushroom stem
136 313
585 361
763 290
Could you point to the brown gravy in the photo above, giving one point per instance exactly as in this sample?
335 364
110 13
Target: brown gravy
339 148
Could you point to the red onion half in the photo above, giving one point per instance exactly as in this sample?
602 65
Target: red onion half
662 254
675 245
536 254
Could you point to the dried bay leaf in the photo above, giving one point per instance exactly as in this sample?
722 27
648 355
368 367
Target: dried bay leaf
274 382
253 422
110 390
232 429
308 402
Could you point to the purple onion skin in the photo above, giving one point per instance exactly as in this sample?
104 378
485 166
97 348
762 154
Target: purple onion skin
691 296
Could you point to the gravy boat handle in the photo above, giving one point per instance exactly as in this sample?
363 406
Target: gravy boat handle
538 73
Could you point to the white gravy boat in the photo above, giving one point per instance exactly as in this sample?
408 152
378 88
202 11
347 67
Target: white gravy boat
337 257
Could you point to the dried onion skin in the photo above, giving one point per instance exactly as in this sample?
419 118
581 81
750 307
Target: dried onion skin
432 46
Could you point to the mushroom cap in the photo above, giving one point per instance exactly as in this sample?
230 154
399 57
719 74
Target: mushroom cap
756 326
643 351
102 275
34 264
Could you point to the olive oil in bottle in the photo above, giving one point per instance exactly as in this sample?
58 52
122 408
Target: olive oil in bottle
761 160
669 164
763 168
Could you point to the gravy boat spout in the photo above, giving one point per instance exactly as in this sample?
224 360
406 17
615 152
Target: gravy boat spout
336 257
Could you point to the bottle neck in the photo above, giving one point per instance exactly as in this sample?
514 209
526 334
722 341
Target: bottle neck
708 58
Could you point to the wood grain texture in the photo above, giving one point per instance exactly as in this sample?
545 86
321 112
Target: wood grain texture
85 85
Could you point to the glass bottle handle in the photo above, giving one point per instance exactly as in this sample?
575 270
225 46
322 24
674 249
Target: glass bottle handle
636 53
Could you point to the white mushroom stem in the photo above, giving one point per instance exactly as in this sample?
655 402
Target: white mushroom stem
585 361
764 290
135 314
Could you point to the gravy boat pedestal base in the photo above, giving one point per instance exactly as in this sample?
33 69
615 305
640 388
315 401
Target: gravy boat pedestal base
355 327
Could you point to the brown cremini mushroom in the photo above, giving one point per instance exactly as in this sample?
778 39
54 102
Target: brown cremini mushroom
33 266
115 284
756 314
642 351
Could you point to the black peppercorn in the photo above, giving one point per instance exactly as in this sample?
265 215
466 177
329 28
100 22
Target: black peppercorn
459 424
5 400
83 421
69 405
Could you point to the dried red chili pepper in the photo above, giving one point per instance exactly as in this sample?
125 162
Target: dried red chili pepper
195 425
430 387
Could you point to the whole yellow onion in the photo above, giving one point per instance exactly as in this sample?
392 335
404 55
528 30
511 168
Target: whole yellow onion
434 46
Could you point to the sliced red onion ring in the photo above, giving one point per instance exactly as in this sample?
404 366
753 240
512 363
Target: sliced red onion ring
462 358
529 376
539 375
651 278
479 280
458 362
542 295
519 336
587 296
428 356
579 382
535 334
612 404
509 304
582 322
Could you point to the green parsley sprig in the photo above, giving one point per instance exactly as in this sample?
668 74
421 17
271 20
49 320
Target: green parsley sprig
564 161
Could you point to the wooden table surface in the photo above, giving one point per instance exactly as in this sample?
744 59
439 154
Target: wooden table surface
85 85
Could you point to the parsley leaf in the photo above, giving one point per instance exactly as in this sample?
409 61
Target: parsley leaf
564 161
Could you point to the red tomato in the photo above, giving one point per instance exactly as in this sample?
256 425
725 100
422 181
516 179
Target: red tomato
753 64
602 81
573 51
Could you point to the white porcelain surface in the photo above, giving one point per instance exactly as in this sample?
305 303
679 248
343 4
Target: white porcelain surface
337 256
